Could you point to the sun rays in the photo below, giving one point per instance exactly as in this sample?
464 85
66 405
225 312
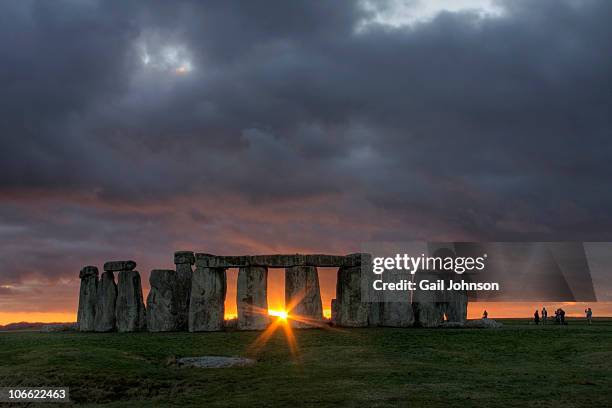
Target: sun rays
277 323
286 320
282 314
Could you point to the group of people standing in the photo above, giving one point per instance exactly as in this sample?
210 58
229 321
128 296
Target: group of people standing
559 316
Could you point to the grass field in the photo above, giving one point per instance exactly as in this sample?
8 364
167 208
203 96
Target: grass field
520 365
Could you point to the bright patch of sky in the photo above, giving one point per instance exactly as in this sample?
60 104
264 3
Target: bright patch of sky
170 58
400 13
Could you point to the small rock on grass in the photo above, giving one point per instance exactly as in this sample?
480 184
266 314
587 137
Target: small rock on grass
214 362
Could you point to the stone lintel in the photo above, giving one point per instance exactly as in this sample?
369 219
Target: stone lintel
118 266
278 261
184 257
88 270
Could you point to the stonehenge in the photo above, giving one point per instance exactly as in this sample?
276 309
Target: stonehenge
431 308
129 308
277 261
184 299
428 311
252 298
334 310
303 296
207 303
183 260
163 301
454 306
117 266
106 303
349 311
86 314
434 307
396 314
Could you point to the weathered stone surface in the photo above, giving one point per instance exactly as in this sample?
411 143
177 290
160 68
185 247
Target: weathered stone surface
350 310
374 314
455 305
162 301
106 302
395 307
427 304
129 309
452 303
278 261
184 257
252 298
184 272
86 314
483 324
373 297
116 266
334 311
207 302
427 313
88 271
303 296
397 314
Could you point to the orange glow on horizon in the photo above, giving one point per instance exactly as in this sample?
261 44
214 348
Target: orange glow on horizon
37 317
495 309
501 310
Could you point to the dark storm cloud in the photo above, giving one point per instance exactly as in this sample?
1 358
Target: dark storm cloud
297 126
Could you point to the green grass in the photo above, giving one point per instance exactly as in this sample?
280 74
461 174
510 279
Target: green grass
520 365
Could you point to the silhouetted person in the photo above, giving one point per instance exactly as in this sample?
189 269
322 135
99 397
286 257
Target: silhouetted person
562 316
589 315
485 314
544 315
536 318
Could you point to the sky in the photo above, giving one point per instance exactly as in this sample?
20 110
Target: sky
130 130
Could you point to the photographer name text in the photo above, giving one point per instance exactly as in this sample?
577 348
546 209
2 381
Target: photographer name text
437 285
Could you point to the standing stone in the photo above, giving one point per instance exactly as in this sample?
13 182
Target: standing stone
455 306
397 314
86 315
375 314
427 305
183 261
373 298
334 311
130 310
207 302
451 304
427 312
252 298
162 302
105 307
396 307
303 296
350 310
